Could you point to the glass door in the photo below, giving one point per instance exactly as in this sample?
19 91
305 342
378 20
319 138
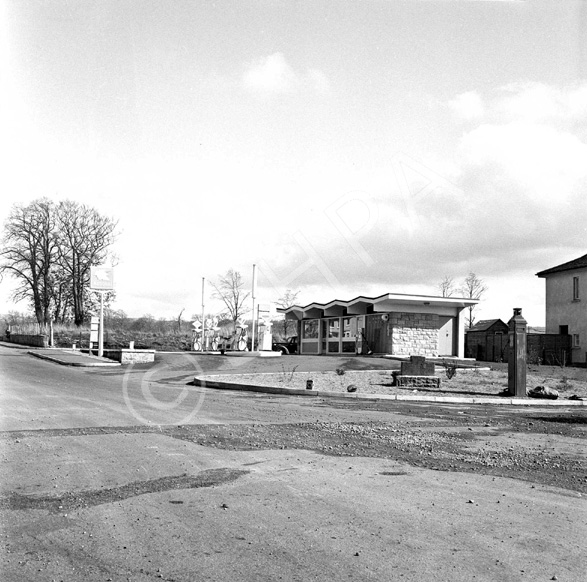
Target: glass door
349 333
333 336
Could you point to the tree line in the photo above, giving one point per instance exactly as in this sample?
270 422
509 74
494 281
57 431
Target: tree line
49 248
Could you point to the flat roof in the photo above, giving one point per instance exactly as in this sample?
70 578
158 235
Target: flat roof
380 304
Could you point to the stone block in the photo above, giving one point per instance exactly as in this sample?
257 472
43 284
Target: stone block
127 356
416 382
417 366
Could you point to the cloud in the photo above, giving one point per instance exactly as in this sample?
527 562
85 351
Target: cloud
542 165
525 164
529 102
272 75
467 106
539 103
514 204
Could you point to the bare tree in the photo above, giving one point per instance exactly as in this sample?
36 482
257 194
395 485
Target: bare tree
179 320
230 289
473 288
85 237
29 254
288 299
447 286
115 318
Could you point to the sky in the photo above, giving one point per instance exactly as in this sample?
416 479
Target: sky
344 148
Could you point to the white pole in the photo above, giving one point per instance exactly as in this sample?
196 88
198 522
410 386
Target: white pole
203 295
254 314
101 334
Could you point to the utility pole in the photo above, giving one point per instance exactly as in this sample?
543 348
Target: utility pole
203 308
254 311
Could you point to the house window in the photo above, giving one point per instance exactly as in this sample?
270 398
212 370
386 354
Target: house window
576 340
575 288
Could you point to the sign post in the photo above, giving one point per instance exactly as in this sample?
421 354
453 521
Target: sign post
254 292
203 331
101 281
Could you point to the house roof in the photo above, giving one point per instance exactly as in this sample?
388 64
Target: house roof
485 324
580 263
381 304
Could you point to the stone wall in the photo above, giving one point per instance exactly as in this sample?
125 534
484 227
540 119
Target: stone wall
39 341
418 381
414 334
125 356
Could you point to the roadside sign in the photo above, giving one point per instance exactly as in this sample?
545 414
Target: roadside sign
94 327
102 278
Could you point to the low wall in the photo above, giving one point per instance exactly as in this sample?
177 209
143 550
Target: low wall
39 341
127 356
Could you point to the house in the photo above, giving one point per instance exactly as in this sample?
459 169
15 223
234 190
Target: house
566 304
394 323
487 340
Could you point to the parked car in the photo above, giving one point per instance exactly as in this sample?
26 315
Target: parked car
287 347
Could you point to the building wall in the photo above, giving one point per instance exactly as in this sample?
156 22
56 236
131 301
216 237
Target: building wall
399 333
414 334
562 309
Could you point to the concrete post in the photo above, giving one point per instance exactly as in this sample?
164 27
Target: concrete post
101 335
517 354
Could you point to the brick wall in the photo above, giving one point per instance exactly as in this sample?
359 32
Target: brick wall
414 334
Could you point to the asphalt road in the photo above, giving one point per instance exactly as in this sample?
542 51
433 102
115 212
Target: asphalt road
134 474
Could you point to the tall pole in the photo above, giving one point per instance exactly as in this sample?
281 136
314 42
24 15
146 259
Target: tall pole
203 295
254 290
101 334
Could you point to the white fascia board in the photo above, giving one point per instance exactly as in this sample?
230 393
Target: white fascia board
397 302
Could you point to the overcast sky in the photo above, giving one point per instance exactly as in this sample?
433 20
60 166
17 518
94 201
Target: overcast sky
344 147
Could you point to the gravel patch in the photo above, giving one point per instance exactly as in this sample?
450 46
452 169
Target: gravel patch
478 383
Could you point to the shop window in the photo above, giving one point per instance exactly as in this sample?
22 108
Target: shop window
347 328
333 328
310 329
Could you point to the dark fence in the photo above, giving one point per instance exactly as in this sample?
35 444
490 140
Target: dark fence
486 347
542 348
549 348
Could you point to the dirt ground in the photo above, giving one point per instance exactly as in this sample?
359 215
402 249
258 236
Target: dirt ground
482 382
278 487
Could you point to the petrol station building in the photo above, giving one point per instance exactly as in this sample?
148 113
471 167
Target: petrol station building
394 324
